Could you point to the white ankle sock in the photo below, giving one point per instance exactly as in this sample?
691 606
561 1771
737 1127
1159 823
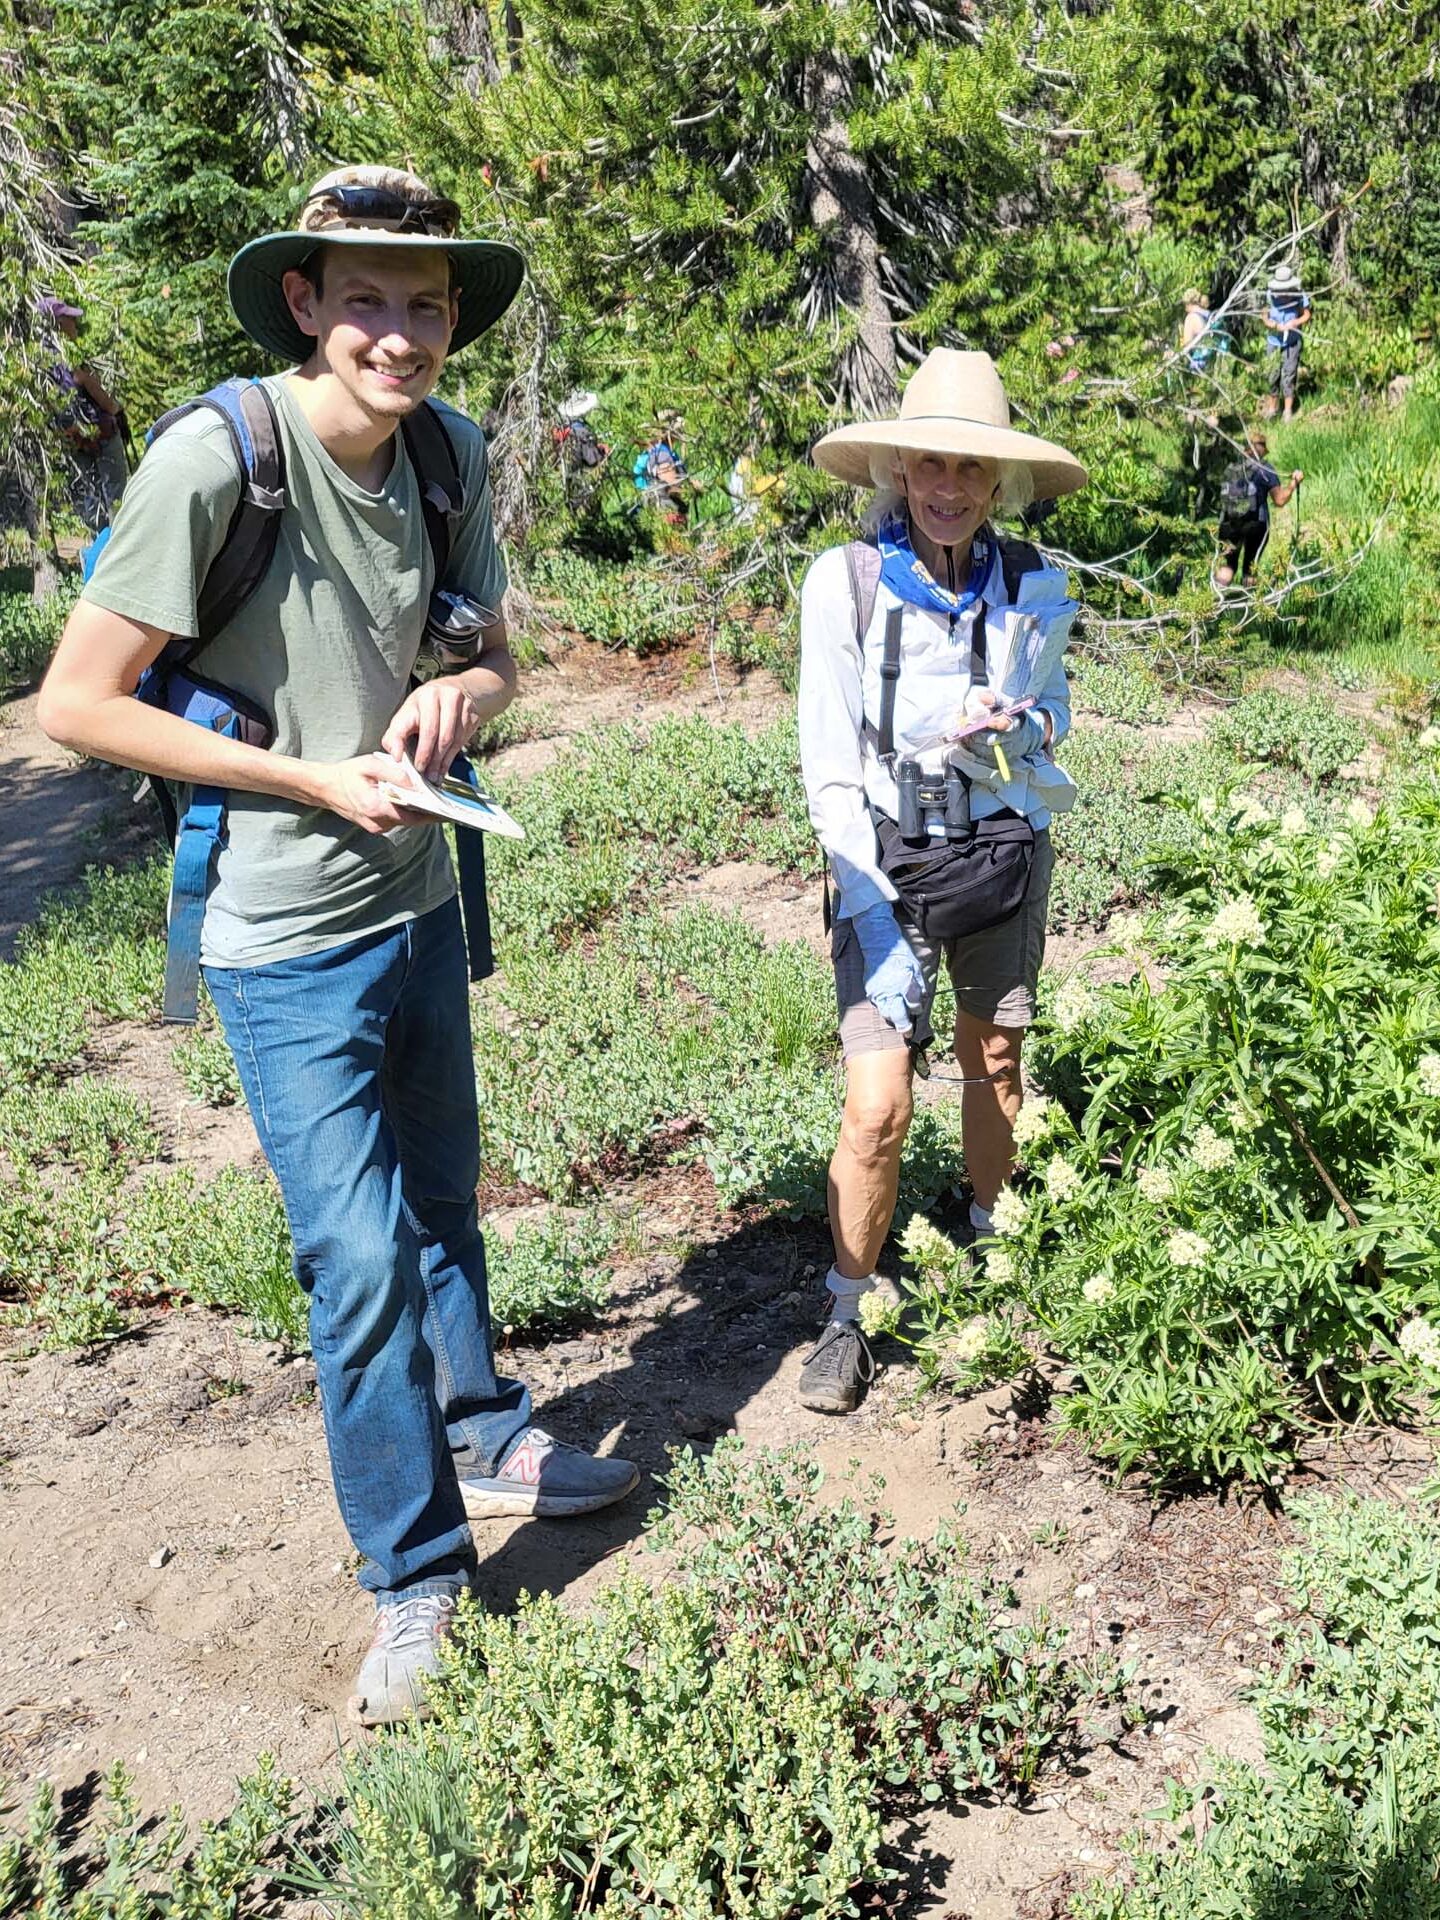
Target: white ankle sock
981 1220
848 1293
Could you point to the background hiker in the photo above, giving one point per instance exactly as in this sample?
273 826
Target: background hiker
1249 488
1287 314
90 422
930 610
331 938
1200 339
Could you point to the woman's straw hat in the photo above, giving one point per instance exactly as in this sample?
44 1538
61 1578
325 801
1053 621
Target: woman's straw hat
953 404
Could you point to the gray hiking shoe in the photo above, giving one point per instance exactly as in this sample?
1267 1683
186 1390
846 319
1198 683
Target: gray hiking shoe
405 1650
543 1476
838 1370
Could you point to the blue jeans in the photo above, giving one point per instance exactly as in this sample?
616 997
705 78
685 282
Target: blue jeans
357 1068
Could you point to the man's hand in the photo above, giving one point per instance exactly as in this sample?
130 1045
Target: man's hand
352 788
433 725
1296 477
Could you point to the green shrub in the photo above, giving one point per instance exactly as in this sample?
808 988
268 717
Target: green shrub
205 1063
90 1123
639 604
1343 1820
29 630
56 1259
124 1867
549 1273
1233 1197
723 1746
671 1040
1125 691
1311 735
226 1244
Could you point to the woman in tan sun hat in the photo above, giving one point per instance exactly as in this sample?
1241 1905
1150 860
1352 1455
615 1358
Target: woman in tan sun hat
931 697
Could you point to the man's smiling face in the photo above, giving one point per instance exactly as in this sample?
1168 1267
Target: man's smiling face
381 319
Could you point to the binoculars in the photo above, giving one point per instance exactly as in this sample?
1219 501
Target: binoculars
922 794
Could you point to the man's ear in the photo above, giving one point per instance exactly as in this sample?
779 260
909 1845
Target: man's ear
300 298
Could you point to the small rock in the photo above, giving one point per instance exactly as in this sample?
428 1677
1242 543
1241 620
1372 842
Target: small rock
1086 1590
907 1423
1267 1616
162 1556
142 1754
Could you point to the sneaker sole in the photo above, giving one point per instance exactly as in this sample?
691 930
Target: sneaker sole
522 1503
835 1403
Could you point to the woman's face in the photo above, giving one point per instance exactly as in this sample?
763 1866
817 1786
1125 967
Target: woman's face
950 495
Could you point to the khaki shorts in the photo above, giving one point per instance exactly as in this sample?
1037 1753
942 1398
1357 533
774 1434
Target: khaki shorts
994 973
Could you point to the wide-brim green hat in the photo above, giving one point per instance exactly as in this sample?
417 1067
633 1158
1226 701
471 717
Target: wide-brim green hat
486 274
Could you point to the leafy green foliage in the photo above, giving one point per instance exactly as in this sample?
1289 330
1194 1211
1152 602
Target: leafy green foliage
1230 1216
1309 734
205 1063
549 1273
1341 1821
92 1124
704 1748
125 1867
29 630
224 1243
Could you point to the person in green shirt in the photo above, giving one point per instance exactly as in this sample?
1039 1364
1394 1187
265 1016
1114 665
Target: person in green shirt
331 940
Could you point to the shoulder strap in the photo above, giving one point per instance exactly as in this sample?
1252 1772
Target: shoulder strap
889 682
249 415
862 564
442 496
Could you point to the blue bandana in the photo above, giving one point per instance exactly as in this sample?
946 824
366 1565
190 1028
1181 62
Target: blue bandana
908 578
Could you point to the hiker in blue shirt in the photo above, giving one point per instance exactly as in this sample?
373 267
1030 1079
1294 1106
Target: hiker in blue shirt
1287 312
1249 489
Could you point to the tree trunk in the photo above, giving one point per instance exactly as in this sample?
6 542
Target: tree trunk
842 210
514 35
469 41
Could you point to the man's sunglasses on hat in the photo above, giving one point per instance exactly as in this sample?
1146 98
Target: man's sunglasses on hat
373 206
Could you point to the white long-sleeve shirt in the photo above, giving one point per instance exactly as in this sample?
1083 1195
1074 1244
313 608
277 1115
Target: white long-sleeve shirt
840 710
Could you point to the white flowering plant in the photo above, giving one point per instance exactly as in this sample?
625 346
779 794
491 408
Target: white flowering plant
1250 1158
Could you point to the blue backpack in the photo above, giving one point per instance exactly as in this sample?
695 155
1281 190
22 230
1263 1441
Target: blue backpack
173 684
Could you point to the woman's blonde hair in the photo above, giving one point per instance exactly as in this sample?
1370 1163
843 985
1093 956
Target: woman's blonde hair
1015 490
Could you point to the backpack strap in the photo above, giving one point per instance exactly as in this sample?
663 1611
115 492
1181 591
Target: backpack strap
442 496
862 564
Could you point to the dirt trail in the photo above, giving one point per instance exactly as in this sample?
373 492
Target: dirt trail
178 1590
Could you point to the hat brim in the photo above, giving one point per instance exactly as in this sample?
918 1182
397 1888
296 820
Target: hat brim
487 275
847 452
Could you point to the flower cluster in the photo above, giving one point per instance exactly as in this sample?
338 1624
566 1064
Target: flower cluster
1419 1341
1248 812
879 1310
1126 931
1429 738
1007 1216
1209 1152
1033 1122
1358 814
1328 858
1075 1004
966 1344
1428 1068
1187 1249
1237 924
1098 1289
1241 1117
999 1267
1062 1180
1293 823
925 1247
1155 1184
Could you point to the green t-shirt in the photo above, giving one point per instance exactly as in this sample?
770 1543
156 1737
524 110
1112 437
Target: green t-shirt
326 646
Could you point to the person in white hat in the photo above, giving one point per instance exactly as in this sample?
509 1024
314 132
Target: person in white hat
330 936
936 627
1287 313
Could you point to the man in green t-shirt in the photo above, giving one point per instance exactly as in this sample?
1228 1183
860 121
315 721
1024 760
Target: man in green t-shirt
331 940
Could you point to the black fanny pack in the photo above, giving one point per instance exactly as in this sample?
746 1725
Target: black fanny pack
951 888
